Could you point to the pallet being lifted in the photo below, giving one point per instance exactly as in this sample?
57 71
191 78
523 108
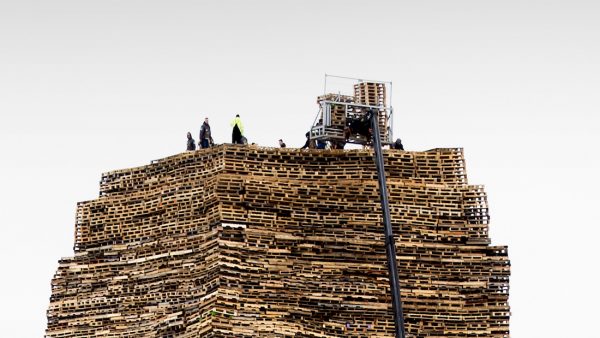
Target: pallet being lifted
241 241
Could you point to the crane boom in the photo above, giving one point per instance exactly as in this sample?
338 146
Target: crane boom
390 246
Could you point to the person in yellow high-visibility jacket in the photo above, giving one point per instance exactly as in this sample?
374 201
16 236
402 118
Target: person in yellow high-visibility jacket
238 130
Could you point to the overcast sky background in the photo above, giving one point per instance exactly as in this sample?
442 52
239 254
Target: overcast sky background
92 86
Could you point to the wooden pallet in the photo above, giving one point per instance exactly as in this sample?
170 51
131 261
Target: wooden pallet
370 93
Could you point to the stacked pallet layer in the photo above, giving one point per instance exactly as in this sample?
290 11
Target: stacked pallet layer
370 93
338 112
239 241
336 98
374 94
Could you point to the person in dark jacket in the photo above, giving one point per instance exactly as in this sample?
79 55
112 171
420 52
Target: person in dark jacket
398 144
238 130
191 143
281 144
361 126
205 135
307 143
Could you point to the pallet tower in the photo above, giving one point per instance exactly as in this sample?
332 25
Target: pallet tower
241 241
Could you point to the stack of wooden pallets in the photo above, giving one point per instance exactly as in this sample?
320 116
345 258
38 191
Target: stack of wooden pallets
374 94
337 112
240 241
370 93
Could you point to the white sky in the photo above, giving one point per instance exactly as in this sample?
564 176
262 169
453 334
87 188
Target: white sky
92 86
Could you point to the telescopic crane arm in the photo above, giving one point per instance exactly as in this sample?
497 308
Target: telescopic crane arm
390 246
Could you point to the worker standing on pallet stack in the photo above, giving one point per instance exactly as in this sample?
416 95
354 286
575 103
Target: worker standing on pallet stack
191 143
205 135
307 143
238 130
398 144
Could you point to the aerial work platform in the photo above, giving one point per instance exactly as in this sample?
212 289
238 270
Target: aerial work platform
344 118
